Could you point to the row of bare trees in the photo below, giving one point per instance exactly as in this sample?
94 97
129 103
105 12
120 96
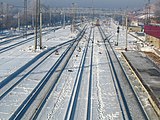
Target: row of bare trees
157 11
14 17
157 6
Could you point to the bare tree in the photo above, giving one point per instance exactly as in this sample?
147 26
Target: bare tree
157 6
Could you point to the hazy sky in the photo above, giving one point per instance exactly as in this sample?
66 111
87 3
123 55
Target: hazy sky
88 3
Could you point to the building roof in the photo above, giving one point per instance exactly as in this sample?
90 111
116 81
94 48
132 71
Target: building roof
153 30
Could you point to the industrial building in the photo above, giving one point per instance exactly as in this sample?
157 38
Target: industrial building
153 35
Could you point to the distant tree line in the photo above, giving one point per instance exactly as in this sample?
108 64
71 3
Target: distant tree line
11 17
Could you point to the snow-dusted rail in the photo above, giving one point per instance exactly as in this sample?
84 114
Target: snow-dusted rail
19 41
12 81
33 104
84 75
129 103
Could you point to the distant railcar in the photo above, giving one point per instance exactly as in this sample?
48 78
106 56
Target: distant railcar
97 22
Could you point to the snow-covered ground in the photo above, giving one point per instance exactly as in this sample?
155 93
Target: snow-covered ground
12 60
105 104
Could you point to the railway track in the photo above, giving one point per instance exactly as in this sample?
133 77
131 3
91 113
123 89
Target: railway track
19 43
56 69
79 106
130 110
86 81
11 81
95 93
32 105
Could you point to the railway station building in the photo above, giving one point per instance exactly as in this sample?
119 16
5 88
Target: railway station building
153 35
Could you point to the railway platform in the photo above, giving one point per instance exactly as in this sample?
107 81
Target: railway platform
147 71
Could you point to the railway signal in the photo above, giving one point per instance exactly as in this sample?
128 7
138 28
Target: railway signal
116 44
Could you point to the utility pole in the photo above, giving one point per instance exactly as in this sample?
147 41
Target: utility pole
25 18
18 21
64 19
36 25
40 44
126 32
149 10
73 18
2 16
32 19
92 13
40 25
7 14
50 17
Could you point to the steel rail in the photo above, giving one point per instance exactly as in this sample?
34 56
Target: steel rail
2 50
17 37
89 109
33 104
117 79
11 81
31 62
75 92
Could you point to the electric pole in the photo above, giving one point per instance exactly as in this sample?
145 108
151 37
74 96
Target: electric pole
32 19
40 25
2 17
40 42
7 15
126 32
36 25
73 18
25 18
64 19
149 10
92 13
18 21
50 16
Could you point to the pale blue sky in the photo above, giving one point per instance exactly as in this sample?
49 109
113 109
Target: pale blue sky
88 3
